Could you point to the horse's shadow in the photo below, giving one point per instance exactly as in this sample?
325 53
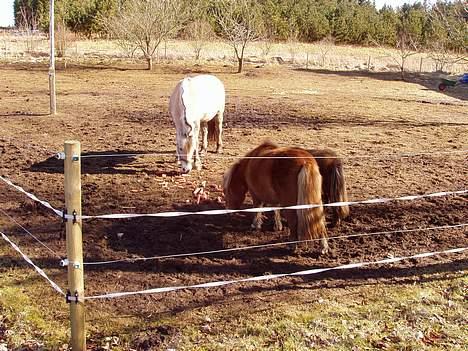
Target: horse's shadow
111 162
150 237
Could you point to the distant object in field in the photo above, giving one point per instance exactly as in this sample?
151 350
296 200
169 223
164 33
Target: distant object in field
285 176
445 83
197 102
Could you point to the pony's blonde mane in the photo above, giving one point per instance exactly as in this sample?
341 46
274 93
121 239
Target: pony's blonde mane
228 176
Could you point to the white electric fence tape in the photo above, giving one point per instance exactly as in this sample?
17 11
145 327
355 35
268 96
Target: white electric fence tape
32 197
269 209
219 212
387 156
261 246
27 259
273 276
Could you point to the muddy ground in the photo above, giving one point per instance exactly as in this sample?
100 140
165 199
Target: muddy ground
123 109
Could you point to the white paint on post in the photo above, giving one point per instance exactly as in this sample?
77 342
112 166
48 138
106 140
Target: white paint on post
53 105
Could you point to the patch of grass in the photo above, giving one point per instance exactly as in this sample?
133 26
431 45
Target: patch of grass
430 316
25 323
423 316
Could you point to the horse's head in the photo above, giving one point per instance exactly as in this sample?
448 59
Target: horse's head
234 187
186 147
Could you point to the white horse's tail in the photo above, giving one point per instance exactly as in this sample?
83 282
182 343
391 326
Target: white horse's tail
311 221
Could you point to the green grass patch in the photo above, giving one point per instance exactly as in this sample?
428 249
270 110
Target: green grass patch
429 316
25 323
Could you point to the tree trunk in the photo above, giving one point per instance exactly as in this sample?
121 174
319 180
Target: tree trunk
241 62
149 60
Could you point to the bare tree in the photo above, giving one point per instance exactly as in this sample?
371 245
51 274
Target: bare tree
240 23
145 24
267 42
407 47
28 25
449 34
324 47
293 44
199 32
63 38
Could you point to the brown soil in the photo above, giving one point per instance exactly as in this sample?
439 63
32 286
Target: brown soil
124 110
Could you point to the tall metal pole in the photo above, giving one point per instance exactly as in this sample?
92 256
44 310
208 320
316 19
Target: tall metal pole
53 105
75 294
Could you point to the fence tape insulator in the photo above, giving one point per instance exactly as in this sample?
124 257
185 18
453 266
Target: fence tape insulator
38 270
32 197
268 209
262 246
274 276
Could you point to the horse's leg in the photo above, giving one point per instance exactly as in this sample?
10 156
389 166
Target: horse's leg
336 220
204 128
198 164
258 218
219 121
278 224
291 218
324 246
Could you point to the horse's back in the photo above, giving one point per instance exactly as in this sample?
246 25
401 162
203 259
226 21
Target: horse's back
203 96
288 164
327 159
275 176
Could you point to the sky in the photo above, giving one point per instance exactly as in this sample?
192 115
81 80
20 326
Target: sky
6 9
6 13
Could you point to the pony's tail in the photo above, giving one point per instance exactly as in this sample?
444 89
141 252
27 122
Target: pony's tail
213 129
311 221
337 190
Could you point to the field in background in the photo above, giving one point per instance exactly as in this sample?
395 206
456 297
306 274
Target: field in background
113 106
332 57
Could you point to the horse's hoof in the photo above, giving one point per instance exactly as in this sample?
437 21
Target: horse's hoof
278 228
198 166
325 250
219 150
256 227
202 152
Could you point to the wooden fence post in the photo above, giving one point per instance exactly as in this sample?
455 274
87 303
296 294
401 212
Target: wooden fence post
75 295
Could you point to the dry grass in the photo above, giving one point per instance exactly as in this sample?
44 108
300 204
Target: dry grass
428 316
338 57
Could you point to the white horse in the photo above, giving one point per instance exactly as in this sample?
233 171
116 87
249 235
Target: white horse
197 102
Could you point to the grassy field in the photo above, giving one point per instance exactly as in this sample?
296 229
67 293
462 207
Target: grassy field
427 313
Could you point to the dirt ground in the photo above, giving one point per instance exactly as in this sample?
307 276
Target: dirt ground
123 109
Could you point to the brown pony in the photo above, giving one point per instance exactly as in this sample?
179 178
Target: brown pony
276 179
333 188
